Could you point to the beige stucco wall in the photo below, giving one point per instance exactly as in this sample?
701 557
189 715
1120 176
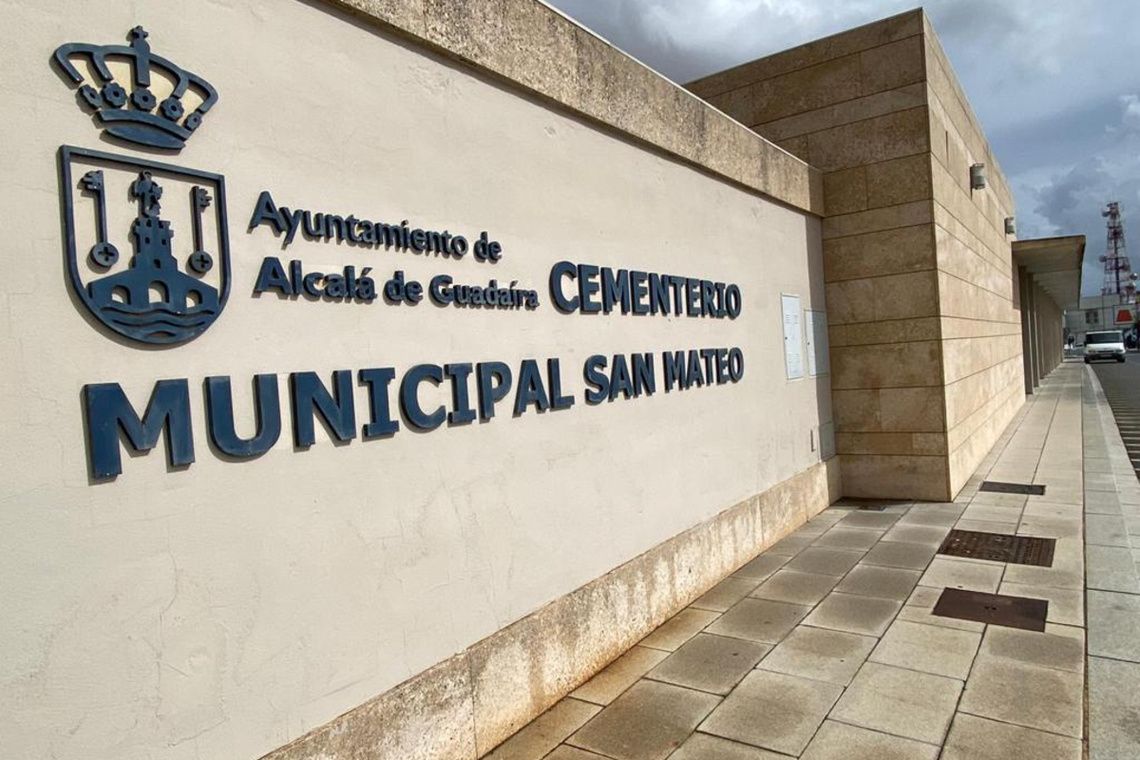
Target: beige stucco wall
226 609
925 336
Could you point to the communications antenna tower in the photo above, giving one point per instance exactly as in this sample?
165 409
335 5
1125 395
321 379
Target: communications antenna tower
1119 280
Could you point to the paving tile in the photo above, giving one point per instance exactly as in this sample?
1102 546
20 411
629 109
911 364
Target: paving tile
710 663
1114 625
933 514
917 534
1027 695
919 608
1050 527
708 747
566 752
995 498
1096 481
678 629
1111 568
759 620
974 738
1114 718
1058 646
951 573
985 526
828 517
1049 509
867 519
773 711
798 588
645 723
989 513
840 537
820 654
791 545
875 506
760 568
1132 525
1066 606
1058 495
725 594
1102 503
1097 464
930 519
839 741
881 582
899 508
1105 530
854 614
1055 577
619 675
900 554
900 702
825 561
928 648
546 731
1068 554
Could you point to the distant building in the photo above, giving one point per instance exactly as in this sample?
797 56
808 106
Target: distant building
1098 313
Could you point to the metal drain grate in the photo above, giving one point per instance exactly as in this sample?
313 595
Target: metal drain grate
998 547
994 609
999 487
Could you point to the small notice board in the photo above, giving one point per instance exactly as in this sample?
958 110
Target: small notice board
793 337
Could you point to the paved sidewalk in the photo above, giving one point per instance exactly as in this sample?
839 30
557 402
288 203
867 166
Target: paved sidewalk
1112 534
825 645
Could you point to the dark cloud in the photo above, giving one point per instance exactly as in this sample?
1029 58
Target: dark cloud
1070 200
1053 83
1065 202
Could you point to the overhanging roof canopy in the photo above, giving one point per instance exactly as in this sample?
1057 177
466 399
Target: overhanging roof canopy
1055 265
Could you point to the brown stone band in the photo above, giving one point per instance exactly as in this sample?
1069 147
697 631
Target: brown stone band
464 707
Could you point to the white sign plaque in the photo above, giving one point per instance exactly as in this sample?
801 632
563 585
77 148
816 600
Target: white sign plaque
793 337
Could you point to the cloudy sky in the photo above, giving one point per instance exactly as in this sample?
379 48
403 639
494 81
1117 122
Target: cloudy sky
1056 83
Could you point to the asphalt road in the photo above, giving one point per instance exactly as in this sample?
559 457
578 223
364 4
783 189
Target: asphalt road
1121 383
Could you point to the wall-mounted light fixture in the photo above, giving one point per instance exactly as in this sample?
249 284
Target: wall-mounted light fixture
977 176
1010 226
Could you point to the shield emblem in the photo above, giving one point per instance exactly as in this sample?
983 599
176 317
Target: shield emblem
146 244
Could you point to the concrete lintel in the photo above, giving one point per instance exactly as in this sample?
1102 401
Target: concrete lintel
1054 263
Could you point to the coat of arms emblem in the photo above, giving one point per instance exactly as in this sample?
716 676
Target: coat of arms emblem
146 242
121 215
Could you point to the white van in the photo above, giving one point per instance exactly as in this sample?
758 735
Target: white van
1108 344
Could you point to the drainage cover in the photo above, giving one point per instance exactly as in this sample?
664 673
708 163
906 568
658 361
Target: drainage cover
995 609
999 487
998 547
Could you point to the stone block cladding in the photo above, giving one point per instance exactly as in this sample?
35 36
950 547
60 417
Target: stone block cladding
922 296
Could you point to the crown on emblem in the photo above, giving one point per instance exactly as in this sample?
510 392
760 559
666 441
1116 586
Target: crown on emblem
130 110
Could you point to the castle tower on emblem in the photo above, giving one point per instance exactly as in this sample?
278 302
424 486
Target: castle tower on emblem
153 297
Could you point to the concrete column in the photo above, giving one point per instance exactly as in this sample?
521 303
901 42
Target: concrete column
1026 329
1038 324
1034 374
1038 337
